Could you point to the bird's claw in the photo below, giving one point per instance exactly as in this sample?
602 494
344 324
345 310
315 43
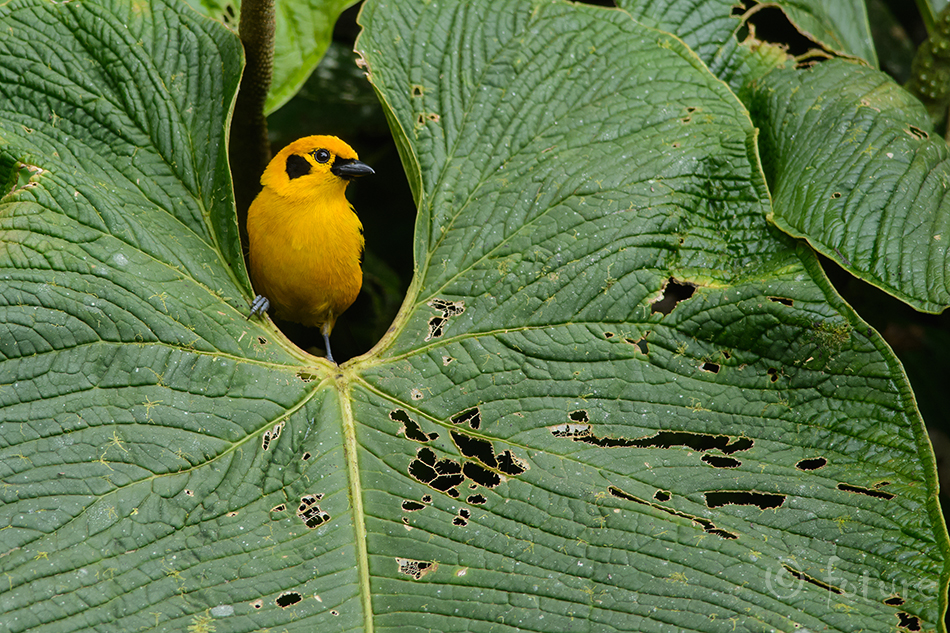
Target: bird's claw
260 306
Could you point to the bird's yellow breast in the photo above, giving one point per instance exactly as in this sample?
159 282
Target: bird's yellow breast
305 248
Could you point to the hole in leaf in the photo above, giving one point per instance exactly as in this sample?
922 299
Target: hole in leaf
416 568
878 494
280 507
288 598
306 456
262 340
257 604
579 416
717 461
908 621
570 430
662 495
917 133
416 90
426 499
472 417
190 493
712 368
481 475
271 435
836 195
475 448
415 394
477 500
812 464
783 301
640 344
762 500
310 513
809 579
673 292
412 506
609 335
448 309
410 428
306 376
511 465
669 439
773 374
708 526
894 601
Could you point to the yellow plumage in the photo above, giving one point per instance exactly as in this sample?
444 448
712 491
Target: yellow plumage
305 240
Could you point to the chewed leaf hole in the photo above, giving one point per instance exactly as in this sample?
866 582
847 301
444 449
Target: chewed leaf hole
640 344
894 601
812 464
270 435
306 376
477 500
708 526
257 604
917 133
783 301
712 368
908 621
310 513
410 428
878 494
579 416
287 599
475 448
462 519
773 374
416 568
717 461
674 291
412 506
471 417
609 335
449 309
670 439
809 579
762 500
663 495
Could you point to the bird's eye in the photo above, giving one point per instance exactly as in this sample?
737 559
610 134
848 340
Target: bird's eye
321 155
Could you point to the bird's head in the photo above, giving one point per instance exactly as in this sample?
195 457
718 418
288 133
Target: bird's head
311 164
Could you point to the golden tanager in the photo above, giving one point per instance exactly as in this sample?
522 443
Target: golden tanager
305 240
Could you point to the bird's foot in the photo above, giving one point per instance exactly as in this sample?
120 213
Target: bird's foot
260 306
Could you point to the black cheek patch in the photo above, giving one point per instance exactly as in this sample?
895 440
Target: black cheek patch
297 166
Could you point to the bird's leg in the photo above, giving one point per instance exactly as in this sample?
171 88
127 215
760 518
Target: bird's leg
260 306
326 341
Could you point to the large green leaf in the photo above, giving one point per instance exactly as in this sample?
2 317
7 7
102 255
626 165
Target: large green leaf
847 153
853 168
534 446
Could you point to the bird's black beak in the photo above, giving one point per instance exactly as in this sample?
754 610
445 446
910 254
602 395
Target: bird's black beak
350 169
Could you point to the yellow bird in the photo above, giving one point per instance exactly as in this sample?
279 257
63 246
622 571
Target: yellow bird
304 238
